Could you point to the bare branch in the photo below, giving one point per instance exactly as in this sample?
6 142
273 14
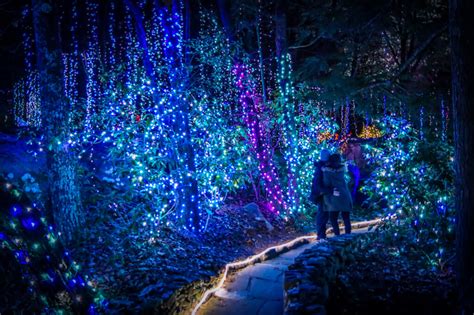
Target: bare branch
401 70
390 46
306 45
420 50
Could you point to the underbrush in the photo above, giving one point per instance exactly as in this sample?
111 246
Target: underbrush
391 274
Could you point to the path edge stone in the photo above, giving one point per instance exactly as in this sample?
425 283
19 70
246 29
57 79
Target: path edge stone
308 279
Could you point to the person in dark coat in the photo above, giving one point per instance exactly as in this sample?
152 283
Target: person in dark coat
340 200
317 192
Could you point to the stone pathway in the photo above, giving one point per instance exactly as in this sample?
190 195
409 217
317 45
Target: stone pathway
256 289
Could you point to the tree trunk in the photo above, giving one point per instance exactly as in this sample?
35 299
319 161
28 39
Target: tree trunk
223 6
281 41
61 164
462 50
285 85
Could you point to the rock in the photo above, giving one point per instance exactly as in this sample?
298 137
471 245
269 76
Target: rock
307 281
253 209
270 254
268 225
291 279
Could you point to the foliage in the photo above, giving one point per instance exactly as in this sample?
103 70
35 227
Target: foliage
413 180
365 49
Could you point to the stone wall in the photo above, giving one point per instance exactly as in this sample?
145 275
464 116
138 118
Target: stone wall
308 280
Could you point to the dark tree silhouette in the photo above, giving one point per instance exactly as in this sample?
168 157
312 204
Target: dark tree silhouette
462 50
61 163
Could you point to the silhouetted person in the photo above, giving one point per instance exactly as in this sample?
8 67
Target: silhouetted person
317 191
340 200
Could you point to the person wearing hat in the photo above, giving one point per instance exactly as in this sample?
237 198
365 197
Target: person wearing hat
317 192
340 199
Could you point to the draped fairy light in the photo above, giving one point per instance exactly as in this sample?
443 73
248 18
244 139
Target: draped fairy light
132 53
71 62
112 44
91 61
345 118
261 64
422 121
33 100
72 76
444 121
26 96
19 104
27 101
154 40
354 120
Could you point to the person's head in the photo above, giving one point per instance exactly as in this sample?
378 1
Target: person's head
335 160
324 155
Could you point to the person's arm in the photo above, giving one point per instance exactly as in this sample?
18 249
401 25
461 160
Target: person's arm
315 186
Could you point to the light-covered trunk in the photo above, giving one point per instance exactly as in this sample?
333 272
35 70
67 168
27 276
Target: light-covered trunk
64 193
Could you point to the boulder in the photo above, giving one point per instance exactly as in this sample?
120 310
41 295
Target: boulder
253 209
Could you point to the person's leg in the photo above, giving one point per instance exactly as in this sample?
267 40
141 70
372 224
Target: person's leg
333 218
321 222
346 216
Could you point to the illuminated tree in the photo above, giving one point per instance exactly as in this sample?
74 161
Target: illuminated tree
254 110
413 181
176 82
219 134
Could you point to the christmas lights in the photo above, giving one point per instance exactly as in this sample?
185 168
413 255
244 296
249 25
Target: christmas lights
370 132
414 184
47 269
254 108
